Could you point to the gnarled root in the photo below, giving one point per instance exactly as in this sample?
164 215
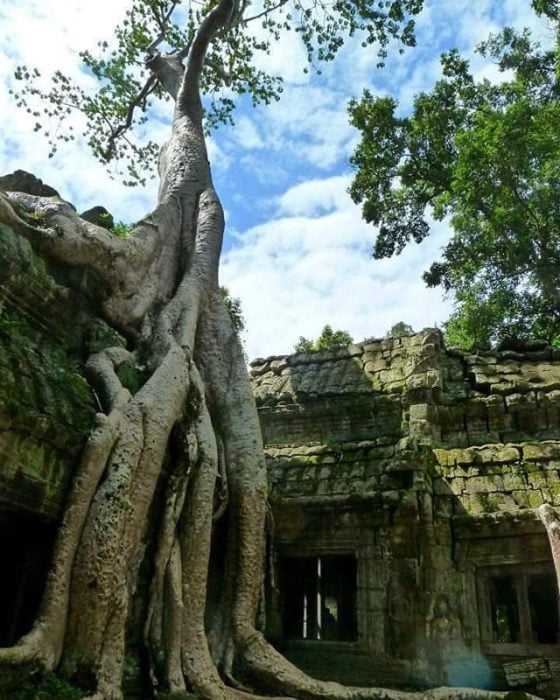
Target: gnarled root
276 674
42 646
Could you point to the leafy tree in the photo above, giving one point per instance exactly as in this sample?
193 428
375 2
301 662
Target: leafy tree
146 60
487 156
190 431
399 329
233 308
304 345
328 340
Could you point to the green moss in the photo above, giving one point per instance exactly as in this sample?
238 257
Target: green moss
101 336
42 382
131 377
308 460
40 687
489 502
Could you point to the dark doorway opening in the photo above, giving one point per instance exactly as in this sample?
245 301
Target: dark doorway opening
26 546
319 597
519 604
505 610
542 592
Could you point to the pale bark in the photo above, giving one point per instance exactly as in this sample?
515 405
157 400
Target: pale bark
551 521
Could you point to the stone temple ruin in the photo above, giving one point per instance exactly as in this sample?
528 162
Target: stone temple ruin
404 483
404 480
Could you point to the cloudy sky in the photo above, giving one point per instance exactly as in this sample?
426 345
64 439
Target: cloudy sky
296 253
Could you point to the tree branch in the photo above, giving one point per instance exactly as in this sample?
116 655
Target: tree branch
169 69
226 14
162 22
136 102
266 12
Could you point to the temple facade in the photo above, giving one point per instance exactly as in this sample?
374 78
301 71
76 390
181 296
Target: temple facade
404 482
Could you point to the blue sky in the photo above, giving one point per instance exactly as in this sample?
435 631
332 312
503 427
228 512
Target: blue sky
296 251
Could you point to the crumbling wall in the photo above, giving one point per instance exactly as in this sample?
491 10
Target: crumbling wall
427 464
46 404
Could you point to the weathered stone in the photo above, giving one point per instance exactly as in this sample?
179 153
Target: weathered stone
99 216
22 181
372 450
542 451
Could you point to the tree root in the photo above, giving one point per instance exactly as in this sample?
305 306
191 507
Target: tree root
44 643
276 674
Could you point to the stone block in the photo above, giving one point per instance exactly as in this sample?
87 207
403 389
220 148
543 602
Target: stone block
521 498
445 458
500 454
513 482
536 498
457 486
480 484
374 363
542 451
391 497
499 420
503 388
536 479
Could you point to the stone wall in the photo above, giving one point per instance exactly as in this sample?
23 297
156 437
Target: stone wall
427 465
46 404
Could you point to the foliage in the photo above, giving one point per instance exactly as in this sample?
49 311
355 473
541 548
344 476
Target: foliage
8 322
233 307
128 88
328 340
45 687
486 155
399 329
121 229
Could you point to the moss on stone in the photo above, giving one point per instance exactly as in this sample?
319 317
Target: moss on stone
46 404
37 687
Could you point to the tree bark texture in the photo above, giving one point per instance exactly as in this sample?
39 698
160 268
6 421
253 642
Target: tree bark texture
160 288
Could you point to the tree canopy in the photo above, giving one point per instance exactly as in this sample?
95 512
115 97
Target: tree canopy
485 155
327 340
399 329
142 62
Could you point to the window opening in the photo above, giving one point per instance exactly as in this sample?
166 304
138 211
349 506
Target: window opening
505 610
520 607
543 604
319 598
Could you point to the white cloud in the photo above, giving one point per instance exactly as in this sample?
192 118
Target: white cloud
309 126
287 56
315 196
312 265
247 134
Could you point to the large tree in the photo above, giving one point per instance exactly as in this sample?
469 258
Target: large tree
487 155
194 412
